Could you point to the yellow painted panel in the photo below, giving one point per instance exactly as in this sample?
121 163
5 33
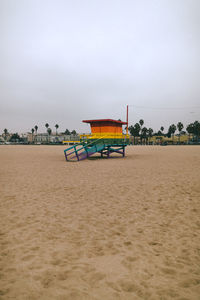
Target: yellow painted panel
105 136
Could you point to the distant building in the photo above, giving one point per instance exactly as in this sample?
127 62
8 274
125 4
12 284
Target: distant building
45 138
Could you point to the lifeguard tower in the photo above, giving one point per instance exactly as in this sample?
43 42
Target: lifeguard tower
106 138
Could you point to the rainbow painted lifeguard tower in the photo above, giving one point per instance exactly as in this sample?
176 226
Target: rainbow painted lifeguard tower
106 138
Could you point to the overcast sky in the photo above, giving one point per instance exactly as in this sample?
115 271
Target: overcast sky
63 61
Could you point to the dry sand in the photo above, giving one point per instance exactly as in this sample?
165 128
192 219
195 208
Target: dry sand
100 229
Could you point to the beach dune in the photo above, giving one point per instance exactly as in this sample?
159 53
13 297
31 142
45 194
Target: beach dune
119 228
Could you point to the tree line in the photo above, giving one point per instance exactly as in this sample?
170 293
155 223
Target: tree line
137 131
49 130
144 133
15 136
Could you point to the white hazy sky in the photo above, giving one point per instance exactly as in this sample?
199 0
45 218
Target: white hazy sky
64 61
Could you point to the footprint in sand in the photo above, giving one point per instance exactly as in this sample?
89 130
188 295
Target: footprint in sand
4 292
154 243
94 279
169 271
47 279
114 286
169 293
63 275
35 248
128 243
130 287
189 282
57 262
131 258
128 262
27 257
75 295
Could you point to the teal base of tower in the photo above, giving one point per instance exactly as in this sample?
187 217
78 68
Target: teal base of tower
87 148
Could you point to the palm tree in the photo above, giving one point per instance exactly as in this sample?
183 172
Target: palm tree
169 133
6 133
190 129
144 134
150 132
197 130
134 131
162 129
49 132
73 132
36 129
67 132
173 129
180 127
15 138
141 122
56 128
32 130
47 126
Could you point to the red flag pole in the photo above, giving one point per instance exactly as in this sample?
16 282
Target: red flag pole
127 120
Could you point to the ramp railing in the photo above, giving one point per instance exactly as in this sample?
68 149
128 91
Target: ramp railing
84 150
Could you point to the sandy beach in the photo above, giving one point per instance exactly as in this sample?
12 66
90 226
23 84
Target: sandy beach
120 228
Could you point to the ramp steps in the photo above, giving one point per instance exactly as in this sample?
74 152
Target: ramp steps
85 150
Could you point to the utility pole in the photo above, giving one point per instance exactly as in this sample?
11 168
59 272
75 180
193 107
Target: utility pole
127 120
